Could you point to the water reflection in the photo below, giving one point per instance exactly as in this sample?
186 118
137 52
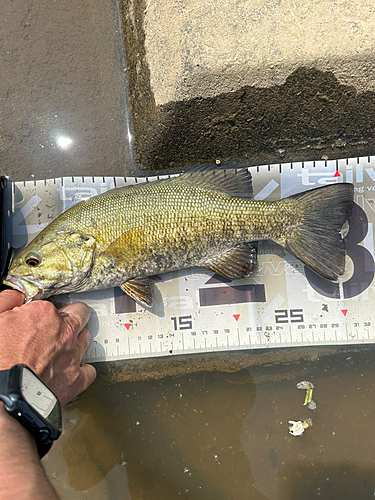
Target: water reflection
60 139
64 142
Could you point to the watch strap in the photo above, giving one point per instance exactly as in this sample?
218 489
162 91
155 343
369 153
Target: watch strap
4 375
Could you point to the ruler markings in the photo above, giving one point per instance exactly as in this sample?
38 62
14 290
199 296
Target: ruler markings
280 300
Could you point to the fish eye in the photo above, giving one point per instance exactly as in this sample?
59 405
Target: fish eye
32 260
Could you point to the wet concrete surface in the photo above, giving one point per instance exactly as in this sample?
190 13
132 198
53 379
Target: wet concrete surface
310 117
249 80
62 75
200 426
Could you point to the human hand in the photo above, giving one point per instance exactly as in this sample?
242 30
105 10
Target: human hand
50 341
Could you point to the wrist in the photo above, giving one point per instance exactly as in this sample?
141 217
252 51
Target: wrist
17 446
21 473
13 433
18 454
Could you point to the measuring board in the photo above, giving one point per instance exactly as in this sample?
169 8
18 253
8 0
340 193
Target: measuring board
283 304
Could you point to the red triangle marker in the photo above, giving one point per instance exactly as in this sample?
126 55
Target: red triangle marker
236 316
344 311
127 325
337 174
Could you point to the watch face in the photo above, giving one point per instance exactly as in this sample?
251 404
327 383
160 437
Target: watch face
37 394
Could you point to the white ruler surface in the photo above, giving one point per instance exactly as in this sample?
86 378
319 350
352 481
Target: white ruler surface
281 305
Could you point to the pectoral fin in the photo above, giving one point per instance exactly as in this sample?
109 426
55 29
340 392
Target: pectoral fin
237 263
139 289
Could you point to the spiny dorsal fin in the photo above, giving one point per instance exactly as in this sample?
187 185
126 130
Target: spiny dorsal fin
237 263
139 289
232 181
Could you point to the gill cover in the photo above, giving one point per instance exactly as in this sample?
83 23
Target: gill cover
52 264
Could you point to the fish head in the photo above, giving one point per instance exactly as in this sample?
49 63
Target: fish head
52 264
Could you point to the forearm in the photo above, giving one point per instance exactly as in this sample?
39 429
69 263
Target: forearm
51 342
22 476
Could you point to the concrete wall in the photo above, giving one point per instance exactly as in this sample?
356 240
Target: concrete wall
250 80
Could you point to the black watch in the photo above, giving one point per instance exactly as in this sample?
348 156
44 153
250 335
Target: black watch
33 404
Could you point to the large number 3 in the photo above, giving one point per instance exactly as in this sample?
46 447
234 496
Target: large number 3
362 259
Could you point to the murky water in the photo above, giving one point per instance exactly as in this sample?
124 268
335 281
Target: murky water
224 436
205 435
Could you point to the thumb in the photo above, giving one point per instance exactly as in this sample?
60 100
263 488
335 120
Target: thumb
10 299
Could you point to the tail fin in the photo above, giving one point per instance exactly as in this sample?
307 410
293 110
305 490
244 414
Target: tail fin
317 241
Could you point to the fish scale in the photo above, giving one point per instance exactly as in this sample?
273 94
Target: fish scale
154 221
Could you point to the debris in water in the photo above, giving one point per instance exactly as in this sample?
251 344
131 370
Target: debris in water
305 384
312 405
298 427
308 387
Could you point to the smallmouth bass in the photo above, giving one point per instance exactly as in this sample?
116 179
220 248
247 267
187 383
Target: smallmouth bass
205 218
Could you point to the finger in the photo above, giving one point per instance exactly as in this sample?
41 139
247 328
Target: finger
76 316
89 375
84 339
10 299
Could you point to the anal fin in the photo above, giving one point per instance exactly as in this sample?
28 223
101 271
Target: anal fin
139 289
237 263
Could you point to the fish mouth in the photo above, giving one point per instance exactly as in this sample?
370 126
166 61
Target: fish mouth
29 288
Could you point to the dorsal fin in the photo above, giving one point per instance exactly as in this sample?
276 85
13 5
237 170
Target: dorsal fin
232 181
